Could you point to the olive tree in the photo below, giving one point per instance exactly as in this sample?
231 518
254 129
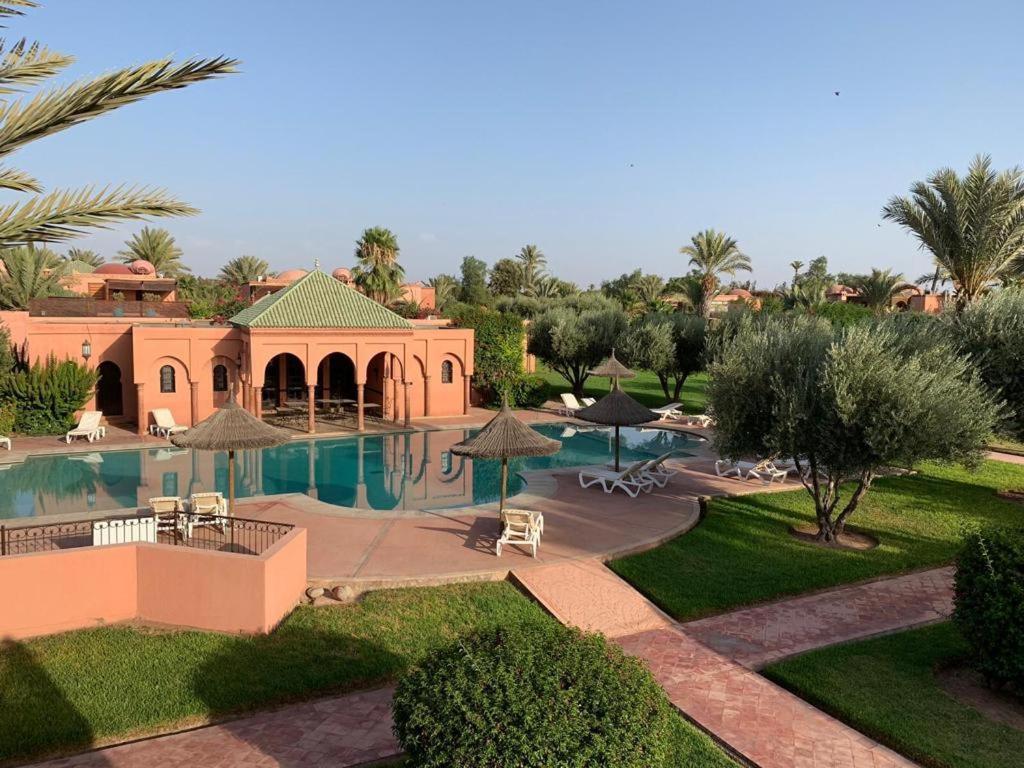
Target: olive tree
571 342
846 403
991 331
671 346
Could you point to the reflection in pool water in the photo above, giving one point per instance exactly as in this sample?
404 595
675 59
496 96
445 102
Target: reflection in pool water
408 470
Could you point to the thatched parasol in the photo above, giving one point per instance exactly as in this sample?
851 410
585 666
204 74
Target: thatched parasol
231 428
616 409
506 436
613 369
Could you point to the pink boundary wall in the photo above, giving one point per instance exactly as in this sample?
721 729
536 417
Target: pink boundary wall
50 592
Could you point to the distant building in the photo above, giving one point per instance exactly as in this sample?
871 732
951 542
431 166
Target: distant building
255 290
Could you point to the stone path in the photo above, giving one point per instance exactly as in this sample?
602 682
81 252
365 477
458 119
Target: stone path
767 725
340 732
761 635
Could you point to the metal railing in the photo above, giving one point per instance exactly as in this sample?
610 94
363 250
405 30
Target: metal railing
218 533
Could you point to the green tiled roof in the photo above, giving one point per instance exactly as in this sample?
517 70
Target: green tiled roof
77 265
318 301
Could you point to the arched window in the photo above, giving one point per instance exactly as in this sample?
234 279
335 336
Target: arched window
446 462
447 372
167 378
220 378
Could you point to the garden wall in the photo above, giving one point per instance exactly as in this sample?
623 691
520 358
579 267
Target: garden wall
47 592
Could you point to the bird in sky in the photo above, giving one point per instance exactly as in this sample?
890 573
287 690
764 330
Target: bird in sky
836 92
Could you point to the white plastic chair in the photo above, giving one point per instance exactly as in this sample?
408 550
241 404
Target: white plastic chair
670 412
519 526
570 404
165 425
6 442
656 470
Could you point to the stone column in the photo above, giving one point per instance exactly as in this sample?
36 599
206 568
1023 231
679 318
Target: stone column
140 407
257 402
245 397
394 400
426 395
311 396
282 380
465 407
194 387
360 416
407 385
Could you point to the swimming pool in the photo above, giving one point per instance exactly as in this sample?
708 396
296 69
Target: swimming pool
398 471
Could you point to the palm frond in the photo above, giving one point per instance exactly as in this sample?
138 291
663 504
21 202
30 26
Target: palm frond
63 215
19 181
15 7
55 110
25 64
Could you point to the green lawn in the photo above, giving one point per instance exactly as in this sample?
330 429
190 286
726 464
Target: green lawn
68 691
886 688
645 388
742 553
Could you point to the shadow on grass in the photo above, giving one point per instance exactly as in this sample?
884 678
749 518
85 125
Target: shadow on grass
35 715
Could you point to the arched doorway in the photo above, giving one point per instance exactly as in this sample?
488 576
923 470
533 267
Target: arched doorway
284 381
336 377
109 393
385 390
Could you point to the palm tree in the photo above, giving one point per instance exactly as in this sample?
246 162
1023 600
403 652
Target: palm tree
244 269
156 246
533 262
796 267
973 226
446 289
62 215
648 290
378 274
712 254
877 289
28 273
85 255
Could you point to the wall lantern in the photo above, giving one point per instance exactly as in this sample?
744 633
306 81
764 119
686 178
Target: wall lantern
86 350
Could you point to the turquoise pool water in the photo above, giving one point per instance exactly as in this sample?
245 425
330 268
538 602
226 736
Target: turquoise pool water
414 470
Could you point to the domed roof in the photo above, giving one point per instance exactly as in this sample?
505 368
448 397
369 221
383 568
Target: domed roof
292 274
112 268
342 274
142 267
840 289
742 292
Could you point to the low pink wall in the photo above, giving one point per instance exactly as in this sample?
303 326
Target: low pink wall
52 592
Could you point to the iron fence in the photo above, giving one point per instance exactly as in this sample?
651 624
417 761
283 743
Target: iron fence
218 533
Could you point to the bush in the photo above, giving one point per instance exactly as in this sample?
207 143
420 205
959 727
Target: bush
542 696
989 603
498 345
525 391
8 415
47 395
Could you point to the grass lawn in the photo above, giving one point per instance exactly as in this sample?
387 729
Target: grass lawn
742 553
68 691
645 388
886 688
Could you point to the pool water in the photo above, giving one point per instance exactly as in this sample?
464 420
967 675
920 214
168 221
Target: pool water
398 471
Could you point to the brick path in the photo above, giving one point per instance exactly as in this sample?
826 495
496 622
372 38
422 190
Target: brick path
765 724
341 731
764 634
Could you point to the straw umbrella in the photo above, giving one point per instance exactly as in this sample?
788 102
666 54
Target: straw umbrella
504 437
231 428
616 409
613 369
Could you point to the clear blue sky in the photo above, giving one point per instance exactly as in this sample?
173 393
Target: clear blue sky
607 133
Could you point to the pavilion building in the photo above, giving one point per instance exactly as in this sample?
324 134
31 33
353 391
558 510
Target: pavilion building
316 343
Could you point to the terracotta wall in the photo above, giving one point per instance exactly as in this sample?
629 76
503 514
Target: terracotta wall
52 592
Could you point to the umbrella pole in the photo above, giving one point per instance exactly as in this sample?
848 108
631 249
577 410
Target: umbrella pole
231 482
616 447
504 484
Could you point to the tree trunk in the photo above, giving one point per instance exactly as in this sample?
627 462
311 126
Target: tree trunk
664 384
680 380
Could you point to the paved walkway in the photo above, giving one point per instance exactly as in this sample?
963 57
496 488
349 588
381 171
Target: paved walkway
765 724
340 732
758 636
1009 458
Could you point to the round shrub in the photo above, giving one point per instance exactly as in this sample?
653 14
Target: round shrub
989 603
532 695
526 391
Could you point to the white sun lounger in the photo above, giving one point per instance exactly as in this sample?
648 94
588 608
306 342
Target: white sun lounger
764 470
519 526
699 420
587 401
569 404
6 442
632 479
88 427
656 470
670 412
165 425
